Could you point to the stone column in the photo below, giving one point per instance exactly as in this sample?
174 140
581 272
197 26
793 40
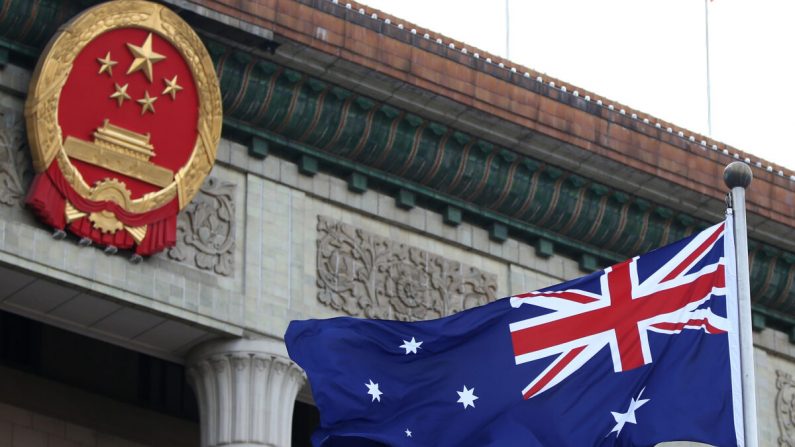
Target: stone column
246 390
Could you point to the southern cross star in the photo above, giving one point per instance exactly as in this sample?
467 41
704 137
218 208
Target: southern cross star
372 389
411 346
467 397
629 415
408 433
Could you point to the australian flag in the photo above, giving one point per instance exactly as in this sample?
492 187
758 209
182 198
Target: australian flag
639 353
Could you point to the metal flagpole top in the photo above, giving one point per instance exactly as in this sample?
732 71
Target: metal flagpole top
737 177
737 174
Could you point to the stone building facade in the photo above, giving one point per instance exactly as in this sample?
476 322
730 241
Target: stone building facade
367 168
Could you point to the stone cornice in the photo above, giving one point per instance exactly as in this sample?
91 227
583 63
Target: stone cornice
336 32
306 114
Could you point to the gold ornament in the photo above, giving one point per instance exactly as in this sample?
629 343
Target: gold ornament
106 64
112 190
144 57
72 213
172 87
105 221
120 150
147 103
120 94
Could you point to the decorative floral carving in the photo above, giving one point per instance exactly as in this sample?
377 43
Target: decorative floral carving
363 274
785 409
15 168
206 228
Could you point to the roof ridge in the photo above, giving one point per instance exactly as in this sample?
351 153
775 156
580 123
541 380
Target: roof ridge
500 62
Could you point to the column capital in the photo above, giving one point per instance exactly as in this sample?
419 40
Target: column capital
246 388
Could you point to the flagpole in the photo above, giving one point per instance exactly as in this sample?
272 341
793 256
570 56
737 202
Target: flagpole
507 30
737 177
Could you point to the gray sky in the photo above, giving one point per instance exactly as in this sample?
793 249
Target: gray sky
649 55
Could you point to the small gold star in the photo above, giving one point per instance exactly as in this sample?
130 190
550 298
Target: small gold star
121 94
147 103
172 87
144 57
106 64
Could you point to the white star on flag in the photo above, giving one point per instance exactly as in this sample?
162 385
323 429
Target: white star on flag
411 346
372 389
408 433
467 397
629 416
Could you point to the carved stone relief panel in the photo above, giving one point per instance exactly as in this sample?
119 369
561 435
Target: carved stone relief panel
366 275
785 409
15 166
206 229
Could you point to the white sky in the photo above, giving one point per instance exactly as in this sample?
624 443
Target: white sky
649 55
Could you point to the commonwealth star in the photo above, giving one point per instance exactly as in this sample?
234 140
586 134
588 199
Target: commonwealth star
467 397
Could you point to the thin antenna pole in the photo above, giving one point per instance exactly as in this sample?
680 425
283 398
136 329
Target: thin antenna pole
507 31
737 177
709 87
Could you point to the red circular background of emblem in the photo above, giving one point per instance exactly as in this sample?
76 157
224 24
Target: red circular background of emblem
86 102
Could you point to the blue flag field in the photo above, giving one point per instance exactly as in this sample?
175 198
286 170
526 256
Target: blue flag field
642 352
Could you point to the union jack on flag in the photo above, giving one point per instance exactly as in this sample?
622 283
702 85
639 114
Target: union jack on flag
621 314
640 353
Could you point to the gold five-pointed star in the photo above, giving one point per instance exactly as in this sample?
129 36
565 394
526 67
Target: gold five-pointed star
106 64
172 87
120 94
144 57
147 103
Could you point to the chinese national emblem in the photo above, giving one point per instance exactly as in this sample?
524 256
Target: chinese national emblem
124 117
